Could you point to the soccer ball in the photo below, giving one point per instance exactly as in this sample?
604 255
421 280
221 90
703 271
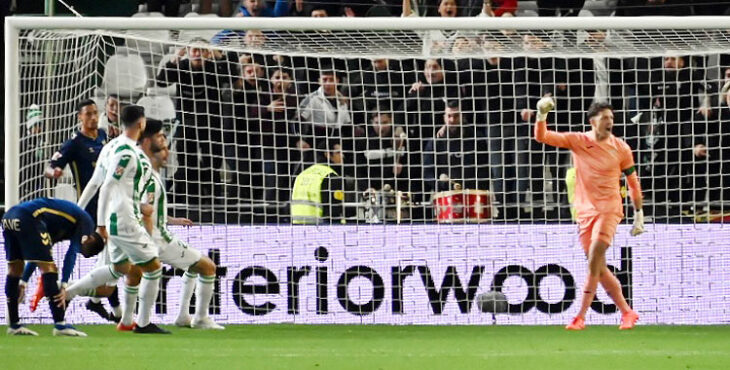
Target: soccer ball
492 302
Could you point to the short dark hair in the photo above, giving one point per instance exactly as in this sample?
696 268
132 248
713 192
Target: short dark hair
92 245
151 129
80 105
283 69
453 104
131 114
597 107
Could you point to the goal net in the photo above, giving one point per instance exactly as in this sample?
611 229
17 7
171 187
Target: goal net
442 190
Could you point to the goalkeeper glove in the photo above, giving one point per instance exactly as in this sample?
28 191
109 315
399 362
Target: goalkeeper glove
544 106
638 223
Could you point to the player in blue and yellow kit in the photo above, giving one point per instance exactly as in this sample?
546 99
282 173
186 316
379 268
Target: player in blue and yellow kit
30 230
80 153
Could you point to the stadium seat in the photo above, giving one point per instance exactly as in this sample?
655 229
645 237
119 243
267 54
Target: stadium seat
526 13
191 34
154 48
158 107
125 75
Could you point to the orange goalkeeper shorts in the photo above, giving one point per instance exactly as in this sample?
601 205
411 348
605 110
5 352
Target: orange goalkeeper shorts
601 227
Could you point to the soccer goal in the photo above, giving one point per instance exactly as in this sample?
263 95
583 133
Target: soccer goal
439 193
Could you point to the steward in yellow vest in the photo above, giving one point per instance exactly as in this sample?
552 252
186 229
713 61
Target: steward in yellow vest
316 192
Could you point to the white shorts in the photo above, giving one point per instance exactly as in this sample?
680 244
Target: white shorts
104 259
132 243
177 253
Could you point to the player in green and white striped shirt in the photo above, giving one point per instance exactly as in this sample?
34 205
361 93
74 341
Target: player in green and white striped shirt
119 219
174 251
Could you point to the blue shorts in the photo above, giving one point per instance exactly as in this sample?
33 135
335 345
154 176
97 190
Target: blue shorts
26 238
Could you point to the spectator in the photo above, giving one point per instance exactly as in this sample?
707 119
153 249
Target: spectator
534 78
427 8
224 9
426 97
252 8
249 97
495 105
384 150
490 8
375 85
667 147
277 133
436 40
258 8
200 74
324 114
451 155
109 120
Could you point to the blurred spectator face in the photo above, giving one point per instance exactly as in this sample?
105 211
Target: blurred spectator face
433 72
452 117
448 8
335 154
112 109
464 45
253 6
532 42
254 39
195 55
380 64
382 124
673 63
281 81
329 84
727 74
280 60
319 13
252 72
596 38
89 117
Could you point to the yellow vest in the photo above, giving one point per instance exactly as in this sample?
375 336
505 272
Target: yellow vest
306 199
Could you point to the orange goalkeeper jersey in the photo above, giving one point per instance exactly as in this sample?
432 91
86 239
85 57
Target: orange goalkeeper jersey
598 167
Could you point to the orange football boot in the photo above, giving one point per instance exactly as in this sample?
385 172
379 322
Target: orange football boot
578 323
628 320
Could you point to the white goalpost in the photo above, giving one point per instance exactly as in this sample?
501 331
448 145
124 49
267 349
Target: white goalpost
442 192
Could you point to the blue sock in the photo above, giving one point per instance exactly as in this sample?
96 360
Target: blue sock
12 291
50 289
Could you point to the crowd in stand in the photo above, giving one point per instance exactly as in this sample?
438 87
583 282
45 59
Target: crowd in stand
422 125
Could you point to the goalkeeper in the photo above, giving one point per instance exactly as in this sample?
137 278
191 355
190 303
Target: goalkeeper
599 159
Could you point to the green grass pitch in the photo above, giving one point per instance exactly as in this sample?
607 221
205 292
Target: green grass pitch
375 347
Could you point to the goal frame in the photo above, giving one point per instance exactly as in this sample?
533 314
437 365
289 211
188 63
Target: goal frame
13 26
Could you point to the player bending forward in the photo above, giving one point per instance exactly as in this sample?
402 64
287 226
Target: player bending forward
599 159
30 230
174 251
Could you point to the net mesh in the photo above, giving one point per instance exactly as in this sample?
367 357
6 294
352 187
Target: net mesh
239 140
